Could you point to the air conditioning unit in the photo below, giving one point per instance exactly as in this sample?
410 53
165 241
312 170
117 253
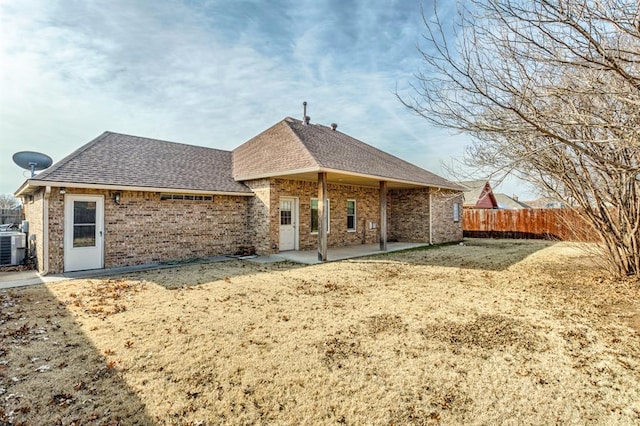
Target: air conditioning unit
12 248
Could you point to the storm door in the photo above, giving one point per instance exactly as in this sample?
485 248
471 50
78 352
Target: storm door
83 232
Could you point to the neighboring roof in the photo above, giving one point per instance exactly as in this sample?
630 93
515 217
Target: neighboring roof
478 193
506 202
118 160
547 203
291 146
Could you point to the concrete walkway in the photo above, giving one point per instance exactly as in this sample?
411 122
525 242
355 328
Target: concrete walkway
309 257
25 278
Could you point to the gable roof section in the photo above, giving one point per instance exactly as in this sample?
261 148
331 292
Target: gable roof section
276 150
117 160
478 194
291 147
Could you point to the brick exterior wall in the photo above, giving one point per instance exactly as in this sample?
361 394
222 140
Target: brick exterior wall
56 230
367 210
408 215
32 208
145 229
259 225
445 230
409 219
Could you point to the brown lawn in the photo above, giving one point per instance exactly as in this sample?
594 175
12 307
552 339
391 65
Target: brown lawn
495 331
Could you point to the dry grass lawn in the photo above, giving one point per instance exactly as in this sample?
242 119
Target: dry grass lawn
492 332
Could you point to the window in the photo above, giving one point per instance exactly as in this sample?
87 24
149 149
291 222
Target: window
351 215
186 197
456 212
285 212
84 224
314 215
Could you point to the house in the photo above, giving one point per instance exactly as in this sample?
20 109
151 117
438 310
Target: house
511 203
478 195
125 200
547 203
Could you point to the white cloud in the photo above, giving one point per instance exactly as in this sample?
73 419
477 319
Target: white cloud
213 73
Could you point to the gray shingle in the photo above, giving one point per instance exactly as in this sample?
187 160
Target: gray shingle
123 160
276 150
290 145
506 202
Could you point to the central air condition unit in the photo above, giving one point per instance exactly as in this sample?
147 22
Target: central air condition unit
12 248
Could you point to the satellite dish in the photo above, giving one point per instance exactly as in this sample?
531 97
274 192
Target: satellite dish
33 161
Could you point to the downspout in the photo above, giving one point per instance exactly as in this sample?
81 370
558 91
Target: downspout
430 219
45 231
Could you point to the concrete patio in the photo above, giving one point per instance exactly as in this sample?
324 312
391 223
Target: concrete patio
310 257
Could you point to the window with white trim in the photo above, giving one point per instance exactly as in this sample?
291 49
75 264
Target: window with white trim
351 215
456 212
314 215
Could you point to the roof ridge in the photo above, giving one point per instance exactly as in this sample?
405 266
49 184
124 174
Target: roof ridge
73 155
377 152
120 160
165 141
299 139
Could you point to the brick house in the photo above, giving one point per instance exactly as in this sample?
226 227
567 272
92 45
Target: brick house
124 200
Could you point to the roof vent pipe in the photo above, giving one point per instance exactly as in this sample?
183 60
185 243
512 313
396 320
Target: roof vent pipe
305 117
334 126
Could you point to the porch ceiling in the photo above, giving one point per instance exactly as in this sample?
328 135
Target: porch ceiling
351 179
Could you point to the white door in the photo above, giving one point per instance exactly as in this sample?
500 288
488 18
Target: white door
83 229
288 224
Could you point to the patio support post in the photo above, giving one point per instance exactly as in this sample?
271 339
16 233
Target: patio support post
383 215
322 216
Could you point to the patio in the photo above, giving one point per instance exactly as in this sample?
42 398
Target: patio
310 257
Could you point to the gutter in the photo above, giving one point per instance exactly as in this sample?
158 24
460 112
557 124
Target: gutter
430 218
45 231
31 183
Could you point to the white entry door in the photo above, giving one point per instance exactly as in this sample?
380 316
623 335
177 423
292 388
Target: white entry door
288 224
83 230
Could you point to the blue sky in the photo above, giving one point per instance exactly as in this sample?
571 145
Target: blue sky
211 73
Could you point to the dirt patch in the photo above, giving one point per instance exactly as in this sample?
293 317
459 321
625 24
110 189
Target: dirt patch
485 333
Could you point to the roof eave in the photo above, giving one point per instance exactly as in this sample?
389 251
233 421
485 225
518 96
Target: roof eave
35 183
23 190
345 172
387 179
277 174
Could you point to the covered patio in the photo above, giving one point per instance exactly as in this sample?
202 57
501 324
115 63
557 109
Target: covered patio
317 187
310 257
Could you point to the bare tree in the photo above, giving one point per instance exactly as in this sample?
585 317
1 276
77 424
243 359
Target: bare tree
8 202
550 91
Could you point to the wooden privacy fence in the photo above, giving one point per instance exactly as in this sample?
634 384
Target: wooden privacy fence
551 224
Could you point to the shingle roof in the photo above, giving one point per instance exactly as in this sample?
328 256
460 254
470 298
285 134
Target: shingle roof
506 202
114 159
291 146
131 161
276 150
